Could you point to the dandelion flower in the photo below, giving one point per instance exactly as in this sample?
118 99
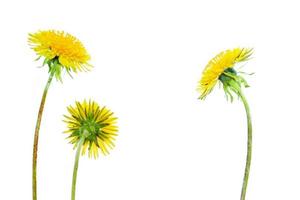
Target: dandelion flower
221 69
95 124
60 50
91 128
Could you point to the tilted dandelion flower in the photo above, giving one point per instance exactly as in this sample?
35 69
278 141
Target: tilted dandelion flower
60 51
91 128
221 69
95 124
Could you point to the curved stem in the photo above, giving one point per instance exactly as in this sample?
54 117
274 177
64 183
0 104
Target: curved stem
36 138
76 167
249 146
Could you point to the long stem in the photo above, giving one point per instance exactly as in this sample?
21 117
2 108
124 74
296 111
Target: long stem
249 146
36 138
76 167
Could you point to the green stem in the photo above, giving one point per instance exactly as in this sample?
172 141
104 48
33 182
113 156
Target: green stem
76 167
249 146
36 138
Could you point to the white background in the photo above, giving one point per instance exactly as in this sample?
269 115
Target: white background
148 57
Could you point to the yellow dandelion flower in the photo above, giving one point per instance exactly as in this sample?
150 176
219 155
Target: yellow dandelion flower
221 66
60 49
90 127
94 124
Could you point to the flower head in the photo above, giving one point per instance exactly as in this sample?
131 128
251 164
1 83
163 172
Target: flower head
94 124
221 68
60 50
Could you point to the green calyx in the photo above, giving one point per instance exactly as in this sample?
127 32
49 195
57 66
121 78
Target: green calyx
55 68
232 82
90 130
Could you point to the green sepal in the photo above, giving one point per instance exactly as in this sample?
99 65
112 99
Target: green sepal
54 67
232 83
38 58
